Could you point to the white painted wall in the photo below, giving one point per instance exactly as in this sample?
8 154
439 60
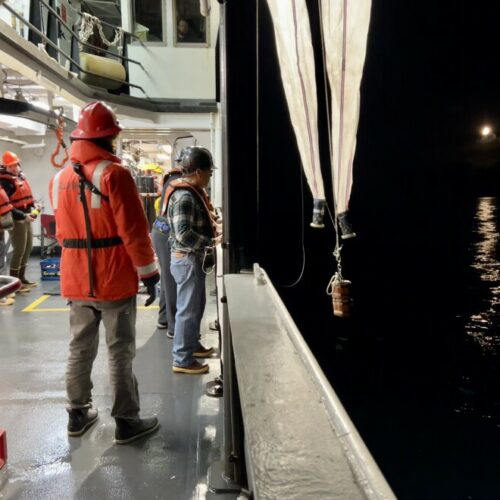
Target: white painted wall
36 165
173 72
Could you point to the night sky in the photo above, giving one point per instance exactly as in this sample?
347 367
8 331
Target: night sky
431 80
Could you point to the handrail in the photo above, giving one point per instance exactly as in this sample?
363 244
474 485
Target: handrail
370 477
114 27
8 285
85 44
54 46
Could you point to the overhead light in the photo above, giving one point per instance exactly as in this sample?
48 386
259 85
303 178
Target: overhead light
34 146
41 105
13 141
167 148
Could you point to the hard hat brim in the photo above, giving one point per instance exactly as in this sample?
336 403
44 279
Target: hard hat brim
109 132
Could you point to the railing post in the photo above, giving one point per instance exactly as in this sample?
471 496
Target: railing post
52 32
227 475
124 54
74 53
35 18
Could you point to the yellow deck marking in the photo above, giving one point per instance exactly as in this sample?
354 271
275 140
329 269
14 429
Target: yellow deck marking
33 306
37 302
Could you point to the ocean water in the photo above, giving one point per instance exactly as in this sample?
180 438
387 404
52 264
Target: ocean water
417 367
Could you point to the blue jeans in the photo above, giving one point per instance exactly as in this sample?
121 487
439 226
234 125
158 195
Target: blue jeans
168 286
191 299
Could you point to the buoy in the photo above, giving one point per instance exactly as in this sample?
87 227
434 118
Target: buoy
101 71
341 298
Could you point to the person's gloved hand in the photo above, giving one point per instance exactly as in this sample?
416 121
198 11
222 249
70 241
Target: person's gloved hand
150 284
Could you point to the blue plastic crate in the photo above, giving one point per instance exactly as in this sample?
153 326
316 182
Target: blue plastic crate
51 269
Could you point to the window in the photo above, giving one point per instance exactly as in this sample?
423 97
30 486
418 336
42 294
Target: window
149 20
191 28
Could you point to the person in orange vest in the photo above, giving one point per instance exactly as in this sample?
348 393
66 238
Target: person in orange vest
6 222
104 236
17 187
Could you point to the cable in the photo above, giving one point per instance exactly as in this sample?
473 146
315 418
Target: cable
301 275
333 216
257 117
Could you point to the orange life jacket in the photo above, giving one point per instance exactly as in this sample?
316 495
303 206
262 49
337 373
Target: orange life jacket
120 241
22 197
200 194
5 205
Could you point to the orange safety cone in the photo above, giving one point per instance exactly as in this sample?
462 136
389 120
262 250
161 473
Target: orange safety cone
3 447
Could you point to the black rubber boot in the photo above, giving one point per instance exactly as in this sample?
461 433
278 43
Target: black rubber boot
128 430
80 421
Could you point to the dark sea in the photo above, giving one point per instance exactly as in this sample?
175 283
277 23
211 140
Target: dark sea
417 366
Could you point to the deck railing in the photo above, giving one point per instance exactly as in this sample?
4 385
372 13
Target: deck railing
48 34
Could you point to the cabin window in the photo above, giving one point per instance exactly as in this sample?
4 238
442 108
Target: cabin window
191 28
149 20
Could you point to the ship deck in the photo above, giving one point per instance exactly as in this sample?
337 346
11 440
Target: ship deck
43 462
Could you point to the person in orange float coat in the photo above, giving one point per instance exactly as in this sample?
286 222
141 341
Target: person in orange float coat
17 187
6 222
104 236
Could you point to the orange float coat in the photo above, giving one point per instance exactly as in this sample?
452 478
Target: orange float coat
22 197
121 245
5 205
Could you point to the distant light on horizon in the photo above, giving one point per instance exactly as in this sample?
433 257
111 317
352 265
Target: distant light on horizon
486 131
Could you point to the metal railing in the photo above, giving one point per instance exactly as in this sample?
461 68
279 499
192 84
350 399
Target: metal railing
50 37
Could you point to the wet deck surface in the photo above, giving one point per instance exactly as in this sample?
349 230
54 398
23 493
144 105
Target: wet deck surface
44 463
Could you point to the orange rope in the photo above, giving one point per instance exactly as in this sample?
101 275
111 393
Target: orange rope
60 142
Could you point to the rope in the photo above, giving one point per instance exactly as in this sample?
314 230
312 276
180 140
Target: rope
333 217
257 98
60 142
87 29
301 275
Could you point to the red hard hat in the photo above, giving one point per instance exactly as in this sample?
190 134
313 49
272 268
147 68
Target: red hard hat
96 120
10 159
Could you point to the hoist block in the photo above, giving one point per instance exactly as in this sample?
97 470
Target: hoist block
3 447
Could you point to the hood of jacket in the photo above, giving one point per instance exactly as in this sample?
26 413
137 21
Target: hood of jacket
84 151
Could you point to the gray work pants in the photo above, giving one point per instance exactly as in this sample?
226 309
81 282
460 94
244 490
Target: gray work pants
118 317
168 286
21 238
3 253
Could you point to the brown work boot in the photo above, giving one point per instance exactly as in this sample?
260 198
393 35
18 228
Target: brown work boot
194 368
25 281
203 352
24 289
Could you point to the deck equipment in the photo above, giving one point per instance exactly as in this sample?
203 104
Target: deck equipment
344 32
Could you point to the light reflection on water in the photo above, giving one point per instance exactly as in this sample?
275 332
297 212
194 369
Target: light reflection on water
479 371
482 325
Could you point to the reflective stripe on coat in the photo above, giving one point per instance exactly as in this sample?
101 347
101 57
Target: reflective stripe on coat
116 218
